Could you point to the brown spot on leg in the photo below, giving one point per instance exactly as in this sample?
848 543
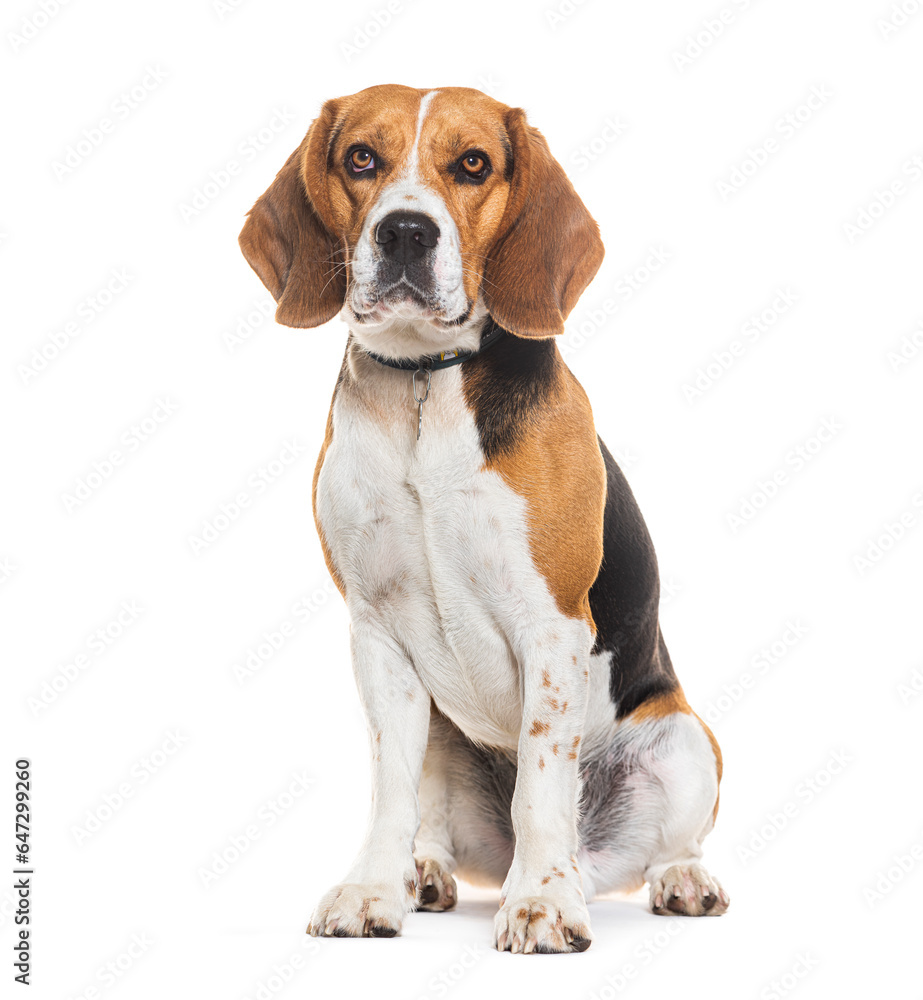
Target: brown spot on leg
546 679
541 763
538 728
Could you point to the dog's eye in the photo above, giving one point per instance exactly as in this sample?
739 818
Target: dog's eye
473 167
361 160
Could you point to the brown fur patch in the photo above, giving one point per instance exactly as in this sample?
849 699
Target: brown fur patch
539 728
661 705
557 468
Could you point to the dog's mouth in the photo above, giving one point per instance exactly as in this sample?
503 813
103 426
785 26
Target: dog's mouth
403 300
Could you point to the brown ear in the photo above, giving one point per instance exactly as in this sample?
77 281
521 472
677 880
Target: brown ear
549 247
286 241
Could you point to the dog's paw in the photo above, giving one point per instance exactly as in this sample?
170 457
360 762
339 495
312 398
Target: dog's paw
689 891
362 910
437 887
543 925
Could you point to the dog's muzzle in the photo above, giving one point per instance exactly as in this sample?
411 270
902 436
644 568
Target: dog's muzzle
406 242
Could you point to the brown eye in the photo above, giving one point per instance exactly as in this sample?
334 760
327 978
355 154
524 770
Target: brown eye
472 168
473 164
361 160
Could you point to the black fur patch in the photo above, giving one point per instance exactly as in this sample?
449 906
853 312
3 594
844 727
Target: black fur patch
624 600
504 385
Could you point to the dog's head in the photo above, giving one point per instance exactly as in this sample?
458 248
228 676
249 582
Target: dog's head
417 212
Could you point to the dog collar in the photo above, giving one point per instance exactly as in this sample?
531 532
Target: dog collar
445 359
424 367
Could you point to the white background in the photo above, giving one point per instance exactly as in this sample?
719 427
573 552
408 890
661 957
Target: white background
161 198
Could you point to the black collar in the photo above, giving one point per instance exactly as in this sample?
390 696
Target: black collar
433 362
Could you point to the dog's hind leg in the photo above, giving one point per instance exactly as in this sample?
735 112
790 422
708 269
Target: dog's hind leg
465 798
648 802
432 850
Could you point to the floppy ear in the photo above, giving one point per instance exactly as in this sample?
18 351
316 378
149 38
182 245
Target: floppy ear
548 249
286 241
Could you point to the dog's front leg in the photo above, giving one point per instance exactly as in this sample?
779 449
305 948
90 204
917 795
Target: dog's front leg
381 885
542 906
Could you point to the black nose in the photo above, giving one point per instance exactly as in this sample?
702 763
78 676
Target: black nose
406 236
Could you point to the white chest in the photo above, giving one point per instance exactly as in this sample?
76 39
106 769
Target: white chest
433 548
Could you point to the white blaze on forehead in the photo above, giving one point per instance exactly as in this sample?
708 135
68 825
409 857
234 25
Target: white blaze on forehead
414 158
396 334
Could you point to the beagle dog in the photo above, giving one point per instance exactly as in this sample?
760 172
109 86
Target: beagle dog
527 728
